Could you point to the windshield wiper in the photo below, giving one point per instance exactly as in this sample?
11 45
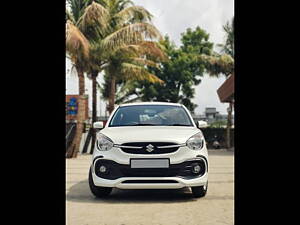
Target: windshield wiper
144 124
178 124
151 124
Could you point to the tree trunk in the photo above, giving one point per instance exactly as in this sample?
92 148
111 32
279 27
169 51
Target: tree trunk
94 108
229 123
112 93
74 147
81 81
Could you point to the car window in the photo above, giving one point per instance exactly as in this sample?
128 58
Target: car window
151 115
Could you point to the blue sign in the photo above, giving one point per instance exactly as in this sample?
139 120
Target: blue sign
72 106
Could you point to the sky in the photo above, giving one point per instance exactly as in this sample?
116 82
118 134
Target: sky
173 17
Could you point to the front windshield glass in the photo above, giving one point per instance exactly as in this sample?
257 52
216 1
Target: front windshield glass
151 115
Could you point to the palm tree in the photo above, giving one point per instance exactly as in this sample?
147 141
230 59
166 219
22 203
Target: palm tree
131 63
228 48
112 25
217 64
74 16
78 49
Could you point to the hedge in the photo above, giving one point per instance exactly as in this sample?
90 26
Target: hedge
210 133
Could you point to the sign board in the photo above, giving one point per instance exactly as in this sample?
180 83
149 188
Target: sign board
72 107
226 90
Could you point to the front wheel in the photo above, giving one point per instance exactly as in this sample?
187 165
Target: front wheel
99 192
200 191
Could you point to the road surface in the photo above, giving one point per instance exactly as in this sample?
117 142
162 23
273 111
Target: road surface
152 207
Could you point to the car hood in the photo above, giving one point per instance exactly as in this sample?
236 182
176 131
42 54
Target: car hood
176 134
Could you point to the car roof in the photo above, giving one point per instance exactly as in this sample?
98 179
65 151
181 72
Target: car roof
150 103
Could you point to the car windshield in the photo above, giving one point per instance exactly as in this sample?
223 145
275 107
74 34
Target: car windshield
150 115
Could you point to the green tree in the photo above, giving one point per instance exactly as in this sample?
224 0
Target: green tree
180 73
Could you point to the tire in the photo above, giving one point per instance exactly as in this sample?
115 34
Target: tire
99 192
200 191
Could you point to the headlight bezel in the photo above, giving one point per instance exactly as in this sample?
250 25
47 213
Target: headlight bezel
103 142
196 142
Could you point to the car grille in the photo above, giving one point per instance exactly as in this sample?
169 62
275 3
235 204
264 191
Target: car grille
155 147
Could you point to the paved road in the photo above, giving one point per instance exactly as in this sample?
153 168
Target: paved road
152 207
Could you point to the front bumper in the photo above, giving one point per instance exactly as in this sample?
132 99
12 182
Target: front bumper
180 182
176 176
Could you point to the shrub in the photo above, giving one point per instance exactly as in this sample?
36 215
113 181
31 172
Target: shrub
220 133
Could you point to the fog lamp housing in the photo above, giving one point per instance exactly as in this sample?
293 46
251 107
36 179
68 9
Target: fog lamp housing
102 169
196 168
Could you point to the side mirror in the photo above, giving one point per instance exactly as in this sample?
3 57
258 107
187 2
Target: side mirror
98 125
202 124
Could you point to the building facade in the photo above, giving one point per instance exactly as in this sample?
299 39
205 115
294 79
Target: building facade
210 115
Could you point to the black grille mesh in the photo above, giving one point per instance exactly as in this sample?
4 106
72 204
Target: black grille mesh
144 145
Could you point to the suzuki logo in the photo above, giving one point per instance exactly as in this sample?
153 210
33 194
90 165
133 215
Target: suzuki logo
149 148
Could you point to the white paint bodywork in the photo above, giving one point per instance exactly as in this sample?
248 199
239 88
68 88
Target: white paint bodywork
176 134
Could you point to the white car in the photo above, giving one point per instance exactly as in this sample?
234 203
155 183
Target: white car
150 145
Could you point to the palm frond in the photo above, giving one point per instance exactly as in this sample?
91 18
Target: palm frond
130 49
154 50
130 34
94 19
143 62
122 4
76 43
76 7
148 49
218 64
133 13
127 90
69 16
135 72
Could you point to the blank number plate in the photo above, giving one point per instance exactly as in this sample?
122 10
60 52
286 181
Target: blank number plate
149 163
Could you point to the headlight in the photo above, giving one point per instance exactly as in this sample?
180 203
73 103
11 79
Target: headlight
104 143
196 142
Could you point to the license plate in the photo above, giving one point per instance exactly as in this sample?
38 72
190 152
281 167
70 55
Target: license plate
149 163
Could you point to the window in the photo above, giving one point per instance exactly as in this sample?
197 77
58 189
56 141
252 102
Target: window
151 115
